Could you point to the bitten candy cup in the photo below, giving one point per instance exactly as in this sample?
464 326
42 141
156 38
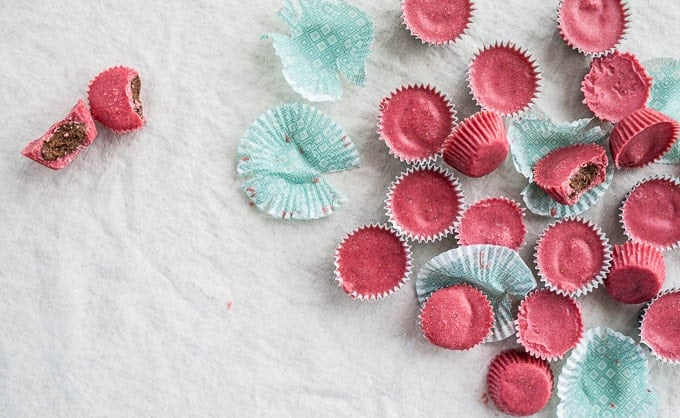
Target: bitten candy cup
650 212
572 257
511 91
372 262
414 122
64 140
424 203
478 146
114 99
437 22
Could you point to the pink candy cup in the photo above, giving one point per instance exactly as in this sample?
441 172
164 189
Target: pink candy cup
114 99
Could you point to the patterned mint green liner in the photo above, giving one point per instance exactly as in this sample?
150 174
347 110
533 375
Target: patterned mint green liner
665 96
327 38
607 375
497 271
534 136
282 156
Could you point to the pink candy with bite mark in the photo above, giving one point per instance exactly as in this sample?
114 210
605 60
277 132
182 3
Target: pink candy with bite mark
113 102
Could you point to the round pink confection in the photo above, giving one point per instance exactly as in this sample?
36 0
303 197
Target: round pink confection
372 262
415 121
549 325
592 26
519 384
437 22
616 86
651 213
637 273
114 99
494 221
571 257
660 329
503 79
425 203
478 145
457 317
569 172
79 117
642 137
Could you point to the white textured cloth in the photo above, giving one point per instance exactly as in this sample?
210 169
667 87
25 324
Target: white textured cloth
117 272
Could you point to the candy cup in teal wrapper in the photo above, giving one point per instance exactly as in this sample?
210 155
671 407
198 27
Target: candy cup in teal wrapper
607 375
498 272
665 96
534 136
327 38
282 156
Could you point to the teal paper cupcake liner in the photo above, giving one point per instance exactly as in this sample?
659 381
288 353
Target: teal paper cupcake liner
607 375
498 272
665 96
327 38
283 155
534 136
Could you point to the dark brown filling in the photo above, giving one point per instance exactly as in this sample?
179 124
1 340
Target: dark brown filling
583 179
64 140
136 87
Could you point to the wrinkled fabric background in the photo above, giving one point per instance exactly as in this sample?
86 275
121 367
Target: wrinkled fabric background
116 273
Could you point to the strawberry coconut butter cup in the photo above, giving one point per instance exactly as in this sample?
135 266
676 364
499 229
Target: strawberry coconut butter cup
114 99
493 221
504 79
637 273
642 137
372 262
437 22
519 384
567 173
651 212
424 203
660 327
457 317
593 27
64 140
572 257
616 86
414 122
478 145
549 325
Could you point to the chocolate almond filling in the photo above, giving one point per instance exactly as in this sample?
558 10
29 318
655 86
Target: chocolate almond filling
136 87
583 178
64 140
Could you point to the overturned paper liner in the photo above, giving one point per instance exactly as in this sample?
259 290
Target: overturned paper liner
511 203
527 347
629 127
499 272
628 235
602 367
530 60
283 155
589 84
327 38
598 279
461 150
658 356
436 93
665 96
415 34
411 235
142 117
638 255
380 295
481 341
624 33
495 372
